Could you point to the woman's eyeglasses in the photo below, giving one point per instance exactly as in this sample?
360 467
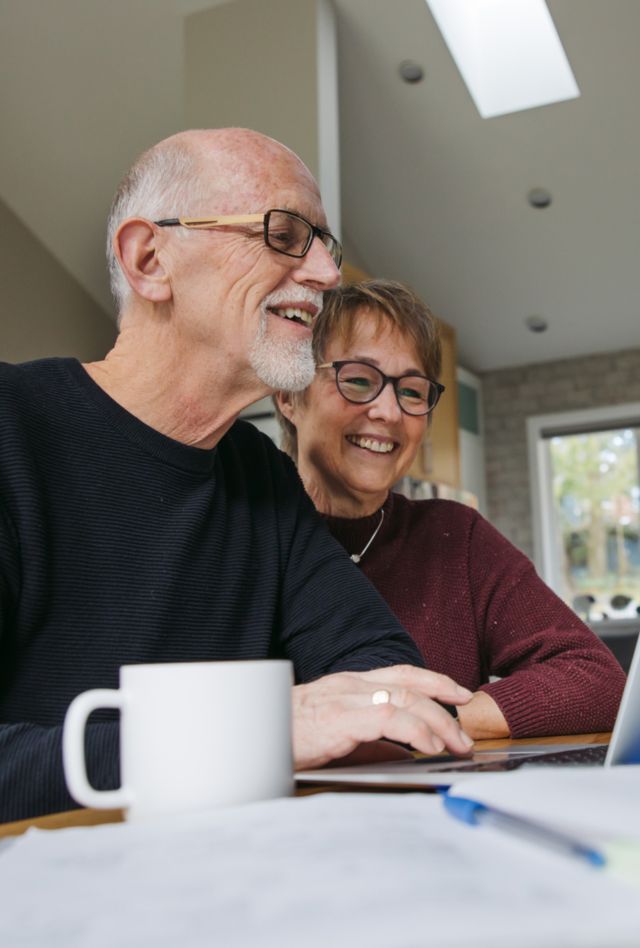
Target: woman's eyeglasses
360 382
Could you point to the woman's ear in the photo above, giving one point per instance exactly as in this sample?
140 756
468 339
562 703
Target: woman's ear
135 245
286 403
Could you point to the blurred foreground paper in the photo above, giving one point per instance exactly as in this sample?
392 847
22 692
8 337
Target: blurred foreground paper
381 871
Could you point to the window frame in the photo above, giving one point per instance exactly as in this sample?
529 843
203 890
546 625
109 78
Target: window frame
539 429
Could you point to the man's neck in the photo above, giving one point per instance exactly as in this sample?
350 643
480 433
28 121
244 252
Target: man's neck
185 392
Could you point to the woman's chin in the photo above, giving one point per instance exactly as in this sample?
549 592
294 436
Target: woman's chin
374 488
373 481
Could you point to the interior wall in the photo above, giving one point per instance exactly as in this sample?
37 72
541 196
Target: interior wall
46 312
512 395
253 64
279 77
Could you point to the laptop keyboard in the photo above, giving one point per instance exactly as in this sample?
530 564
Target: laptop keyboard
581 756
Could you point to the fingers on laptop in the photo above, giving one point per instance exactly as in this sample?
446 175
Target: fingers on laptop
334 714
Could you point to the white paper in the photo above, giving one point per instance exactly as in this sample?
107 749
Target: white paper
381 871
600 803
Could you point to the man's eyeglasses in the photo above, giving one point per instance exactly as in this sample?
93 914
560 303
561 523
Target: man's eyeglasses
283 231
360 382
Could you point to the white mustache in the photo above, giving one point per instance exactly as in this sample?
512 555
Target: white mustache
297 294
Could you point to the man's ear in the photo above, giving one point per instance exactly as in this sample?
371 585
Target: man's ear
136 247
285 402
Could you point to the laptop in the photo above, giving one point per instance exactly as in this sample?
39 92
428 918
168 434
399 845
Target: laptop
445 770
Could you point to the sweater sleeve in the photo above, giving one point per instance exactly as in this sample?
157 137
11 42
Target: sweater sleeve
31 777
556 676
333 617
8 572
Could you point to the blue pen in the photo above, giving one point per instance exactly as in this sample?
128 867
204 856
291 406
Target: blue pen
475 814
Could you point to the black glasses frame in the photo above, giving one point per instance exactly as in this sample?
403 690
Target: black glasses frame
331 243
395 380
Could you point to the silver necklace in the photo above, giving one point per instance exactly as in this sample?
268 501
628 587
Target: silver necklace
356 557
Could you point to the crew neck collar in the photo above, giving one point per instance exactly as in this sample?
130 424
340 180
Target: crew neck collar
354 531
166 449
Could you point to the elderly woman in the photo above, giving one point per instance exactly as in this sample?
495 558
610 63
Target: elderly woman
473 603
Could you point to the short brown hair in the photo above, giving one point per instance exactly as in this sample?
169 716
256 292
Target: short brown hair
386 301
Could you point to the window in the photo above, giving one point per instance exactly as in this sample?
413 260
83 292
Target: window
585 475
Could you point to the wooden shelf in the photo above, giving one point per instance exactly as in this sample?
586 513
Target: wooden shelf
438 458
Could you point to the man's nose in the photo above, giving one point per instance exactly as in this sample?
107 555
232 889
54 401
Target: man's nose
317 268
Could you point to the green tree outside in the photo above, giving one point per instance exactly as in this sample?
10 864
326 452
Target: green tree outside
596 492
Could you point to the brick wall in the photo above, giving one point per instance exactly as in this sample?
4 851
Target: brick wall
512 395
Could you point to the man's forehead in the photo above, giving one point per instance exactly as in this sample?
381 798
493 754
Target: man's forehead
254 182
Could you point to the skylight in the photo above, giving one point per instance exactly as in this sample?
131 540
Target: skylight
508 52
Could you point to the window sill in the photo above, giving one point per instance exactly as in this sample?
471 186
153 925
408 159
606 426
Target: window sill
613 628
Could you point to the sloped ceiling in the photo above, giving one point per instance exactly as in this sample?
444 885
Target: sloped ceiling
432 194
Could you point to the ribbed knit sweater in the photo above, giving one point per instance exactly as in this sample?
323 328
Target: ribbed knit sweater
476 608
119 545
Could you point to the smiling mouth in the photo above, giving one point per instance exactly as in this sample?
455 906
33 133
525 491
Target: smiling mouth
372 444
301 316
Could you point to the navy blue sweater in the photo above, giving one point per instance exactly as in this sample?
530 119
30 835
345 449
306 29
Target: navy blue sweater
119 545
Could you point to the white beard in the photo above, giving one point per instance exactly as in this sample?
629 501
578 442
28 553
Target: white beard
286 364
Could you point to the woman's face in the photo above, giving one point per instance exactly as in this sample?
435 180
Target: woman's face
351 454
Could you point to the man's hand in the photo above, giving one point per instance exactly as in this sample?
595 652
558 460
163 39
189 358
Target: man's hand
333 715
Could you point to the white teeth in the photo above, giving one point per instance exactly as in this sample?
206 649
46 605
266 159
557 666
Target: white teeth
292 313
379 447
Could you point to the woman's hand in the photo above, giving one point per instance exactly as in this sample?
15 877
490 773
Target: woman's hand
482 718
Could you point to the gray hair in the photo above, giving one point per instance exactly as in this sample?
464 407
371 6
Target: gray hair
165 181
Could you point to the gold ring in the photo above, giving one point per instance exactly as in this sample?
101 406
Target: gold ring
382 696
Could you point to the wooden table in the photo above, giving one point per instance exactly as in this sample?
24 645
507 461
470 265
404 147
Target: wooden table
90 817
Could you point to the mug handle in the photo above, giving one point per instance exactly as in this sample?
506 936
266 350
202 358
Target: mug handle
73 759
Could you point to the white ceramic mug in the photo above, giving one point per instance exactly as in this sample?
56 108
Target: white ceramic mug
192 735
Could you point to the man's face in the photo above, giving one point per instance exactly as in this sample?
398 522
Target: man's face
253 305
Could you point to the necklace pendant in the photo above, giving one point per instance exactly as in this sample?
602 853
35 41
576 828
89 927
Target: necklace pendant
356 557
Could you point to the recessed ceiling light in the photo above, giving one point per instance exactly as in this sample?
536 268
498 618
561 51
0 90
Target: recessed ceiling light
411 71
539 197
536 324
508 52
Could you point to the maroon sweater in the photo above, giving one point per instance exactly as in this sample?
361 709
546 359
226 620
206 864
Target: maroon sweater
476 607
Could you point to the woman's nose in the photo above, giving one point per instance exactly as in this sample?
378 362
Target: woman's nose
385 404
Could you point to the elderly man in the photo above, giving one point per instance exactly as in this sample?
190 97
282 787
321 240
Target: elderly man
139 522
